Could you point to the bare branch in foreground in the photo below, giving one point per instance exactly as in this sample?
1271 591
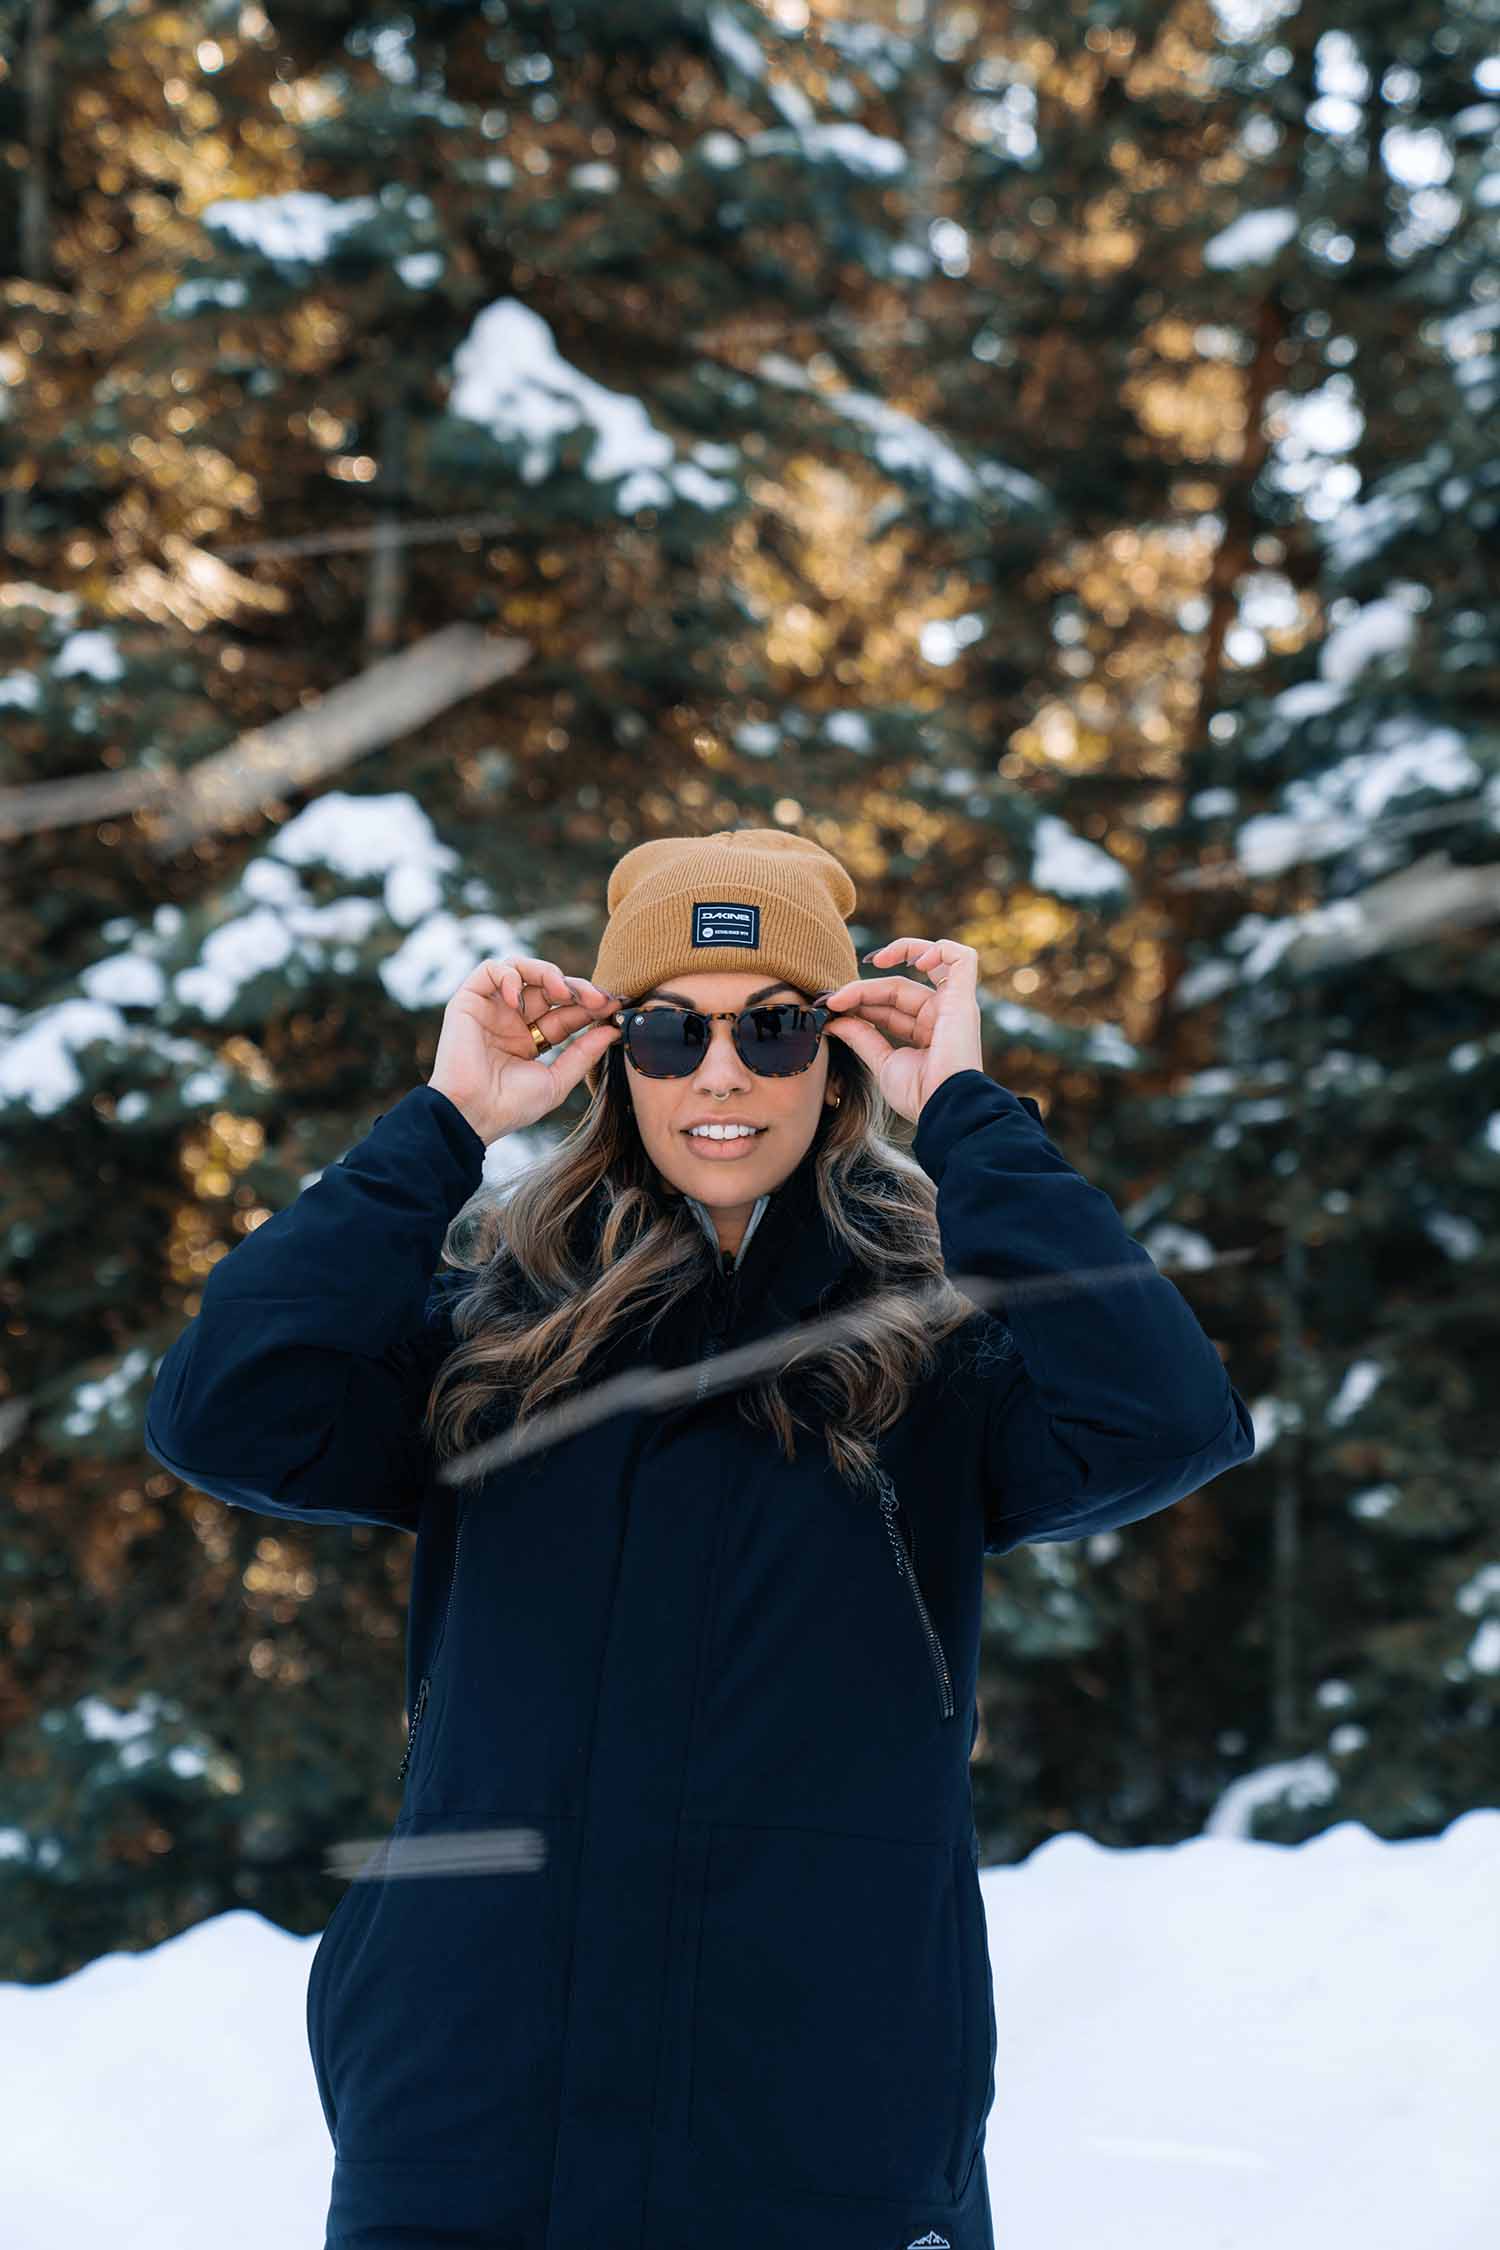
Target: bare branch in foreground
480 1851
669 1386
454 1851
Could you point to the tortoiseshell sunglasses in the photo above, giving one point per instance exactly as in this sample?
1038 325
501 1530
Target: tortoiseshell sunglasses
665 1041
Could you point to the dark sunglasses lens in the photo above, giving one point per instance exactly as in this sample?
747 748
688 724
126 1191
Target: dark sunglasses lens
777 1041
665 1043
670 1042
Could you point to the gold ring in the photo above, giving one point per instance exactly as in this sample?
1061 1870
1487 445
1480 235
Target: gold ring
538 1037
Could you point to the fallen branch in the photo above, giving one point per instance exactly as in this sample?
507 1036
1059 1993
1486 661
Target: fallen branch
292 753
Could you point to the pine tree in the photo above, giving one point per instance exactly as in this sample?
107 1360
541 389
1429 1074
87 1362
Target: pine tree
1339 1123
319 291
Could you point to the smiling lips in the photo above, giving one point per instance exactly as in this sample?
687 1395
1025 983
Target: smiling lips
702 1142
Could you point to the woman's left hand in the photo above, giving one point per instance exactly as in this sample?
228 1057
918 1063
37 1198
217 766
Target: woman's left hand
942 1023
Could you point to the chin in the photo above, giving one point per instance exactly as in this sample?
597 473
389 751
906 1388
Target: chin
743 1178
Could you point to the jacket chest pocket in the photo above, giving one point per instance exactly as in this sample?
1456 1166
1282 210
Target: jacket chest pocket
839 2039
903 1548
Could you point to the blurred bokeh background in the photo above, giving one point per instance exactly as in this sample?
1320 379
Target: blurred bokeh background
1049 454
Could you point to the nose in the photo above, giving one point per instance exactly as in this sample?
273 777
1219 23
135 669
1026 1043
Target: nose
722 1069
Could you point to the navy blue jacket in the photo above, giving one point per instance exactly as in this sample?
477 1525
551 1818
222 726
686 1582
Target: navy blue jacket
722 1977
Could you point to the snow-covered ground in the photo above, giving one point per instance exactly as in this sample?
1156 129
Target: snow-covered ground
1216 2045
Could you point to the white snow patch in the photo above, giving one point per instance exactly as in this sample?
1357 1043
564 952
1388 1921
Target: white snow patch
868 155
1069 866
1232 2042
1253 239
93 653
1361 1381
510 378
1334 810
300 227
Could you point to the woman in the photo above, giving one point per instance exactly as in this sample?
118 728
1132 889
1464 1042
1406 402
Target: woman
678 1938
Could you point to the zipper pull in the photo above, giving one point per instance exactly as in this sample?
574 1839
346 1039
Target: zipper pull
891 1508
904 1529
416 1720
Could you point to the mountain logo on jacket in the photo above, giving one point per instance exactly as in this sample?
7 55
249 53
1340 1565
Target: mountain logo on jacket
929 2241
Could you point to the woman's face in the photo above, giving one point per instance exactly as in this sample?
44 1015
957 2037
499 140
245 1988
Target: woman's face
727 1176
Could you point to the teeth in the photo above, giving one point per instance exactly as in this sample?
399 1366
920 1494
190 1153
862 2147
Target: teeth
722 1132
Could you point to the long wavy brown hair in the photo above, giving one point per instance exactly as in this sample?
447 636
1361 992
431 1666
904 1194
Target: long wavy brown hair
549 1292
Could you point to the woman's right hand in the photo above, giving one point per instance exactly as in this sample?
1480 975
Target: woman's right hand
487 1062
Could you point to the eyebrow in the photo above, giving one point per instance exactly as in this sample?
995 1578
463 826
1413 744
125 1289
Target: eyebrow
748 1002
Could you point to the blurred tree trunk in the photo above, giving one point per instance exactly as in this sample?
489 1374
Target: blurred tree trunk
35 231
386 585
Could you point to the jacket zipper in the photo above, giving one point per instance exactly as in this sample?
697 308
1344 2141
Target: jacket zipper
416 1720
719 1330
890 1508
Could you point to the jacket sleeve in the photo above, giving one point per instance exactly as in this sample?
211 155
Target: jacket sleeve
1103 1402
298 1387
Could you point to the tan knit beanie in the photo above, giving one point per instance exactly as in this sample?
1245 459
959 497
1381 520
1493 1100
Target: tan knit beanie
743 898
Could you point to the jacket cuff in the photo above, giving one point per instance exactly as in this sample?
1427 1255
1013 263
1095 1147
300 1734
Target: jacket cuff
969 1098
427 1119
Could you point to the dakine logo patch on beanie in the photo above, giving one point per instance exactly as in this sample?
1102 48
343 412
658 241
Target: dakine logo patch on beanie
717 923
